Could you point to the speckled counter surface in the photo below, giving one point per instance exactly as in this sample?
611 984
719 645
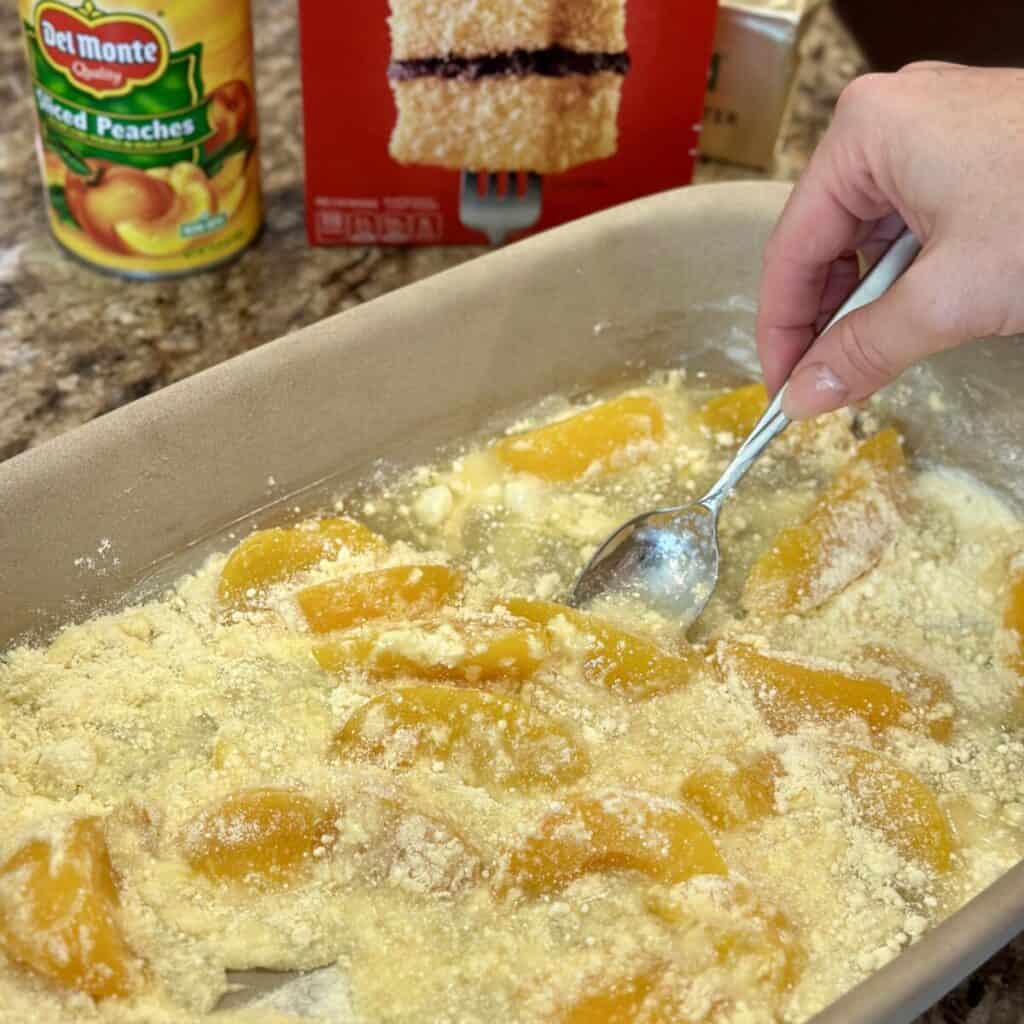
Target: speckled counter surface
75 344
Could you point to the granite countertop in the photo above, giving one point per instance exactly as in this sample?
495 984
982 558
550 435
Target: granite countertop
75 344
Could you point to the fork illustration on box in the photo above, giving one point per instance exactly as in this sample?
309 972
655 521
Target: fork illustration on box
533 92
499 204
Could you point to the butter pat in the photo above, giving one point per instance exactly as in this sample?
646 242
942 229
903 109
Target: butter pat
753 65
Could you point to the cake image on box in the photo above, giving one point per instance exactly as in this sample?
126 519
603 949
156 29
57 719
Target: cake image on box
506 85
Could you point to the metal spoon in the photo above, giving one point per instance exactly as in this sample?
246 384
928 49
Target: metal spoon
668 559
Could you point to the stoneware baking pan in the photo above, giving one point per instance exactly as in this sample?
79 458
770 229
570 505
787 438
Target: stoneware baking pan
130 500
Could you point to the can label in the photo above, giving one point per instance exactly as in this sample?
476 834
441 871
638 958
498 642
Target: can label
147 130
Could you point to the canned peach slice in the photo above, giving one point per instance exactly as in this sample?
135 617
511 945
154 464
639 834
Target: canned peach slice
623 662
791 692
1013 622
261 836
730 797
598 439
932 691
630 1000
633 832
736 412
447 652
845 535
901 806
490 740
60 913
269 556
741 932
402 592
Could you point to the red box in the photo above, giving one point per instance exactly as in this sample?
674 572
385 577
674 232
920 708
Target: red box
411 105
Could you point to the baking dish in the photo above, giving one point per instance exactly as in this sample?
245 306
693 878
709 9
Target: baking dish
132 499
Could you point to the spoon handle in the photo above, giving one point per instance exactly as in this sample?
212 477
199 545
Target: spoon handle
875 283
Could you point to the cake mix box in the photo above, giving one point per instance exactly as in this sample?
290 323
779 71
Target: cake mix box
464 121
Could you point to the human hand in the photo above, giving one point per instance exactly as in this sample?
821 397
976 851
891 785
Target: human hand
940 148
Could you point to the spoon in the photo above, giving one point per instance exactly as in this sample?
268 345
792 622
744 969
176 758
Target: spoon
667 559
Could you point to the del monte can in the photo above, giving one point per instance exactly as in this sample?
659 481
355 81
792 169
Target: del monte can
147 130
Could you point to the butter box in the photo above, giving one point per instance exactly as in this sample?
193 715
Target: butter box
478 120
753 65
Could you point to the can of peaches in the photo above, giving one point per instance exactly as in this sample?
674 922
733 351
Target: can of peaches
147 132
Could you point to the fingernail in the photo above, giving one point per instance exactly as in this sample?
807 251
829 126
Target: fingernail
812 390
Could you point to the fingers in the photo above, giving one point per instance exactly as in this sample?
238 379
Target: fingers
834 204
873 345
932 65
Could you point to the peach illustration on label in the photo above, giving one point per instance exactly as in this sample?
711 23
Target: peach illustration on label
128 210
231 113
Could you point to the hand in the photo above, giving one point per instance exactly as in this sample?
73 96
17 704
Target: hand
940 148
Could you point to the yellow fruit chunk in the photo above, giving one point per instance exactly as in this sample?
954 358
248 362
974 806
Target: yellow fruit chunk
403 592
621 661
1013 623
844 535
259 835
934 692
59 911
464 654
491 739
628 1001
900 806
269 556
736 412
729 799
744 934
656 837
790 692
599 437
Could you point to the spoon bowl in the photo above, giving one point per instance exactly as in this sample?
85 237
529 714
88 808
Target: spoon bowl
667 559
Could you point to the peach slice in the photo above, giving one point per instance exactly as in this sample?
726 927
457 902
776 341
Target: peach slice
650 835
59 913
791 692
736 412
467 654
631 1000
743 932
492 740
623 662
901 806
731 799
599 436
402 592
936 696
262 836
269 556
1013 622
845 534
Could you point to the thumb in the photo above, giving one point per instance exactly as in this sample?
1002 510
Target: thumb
872 346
